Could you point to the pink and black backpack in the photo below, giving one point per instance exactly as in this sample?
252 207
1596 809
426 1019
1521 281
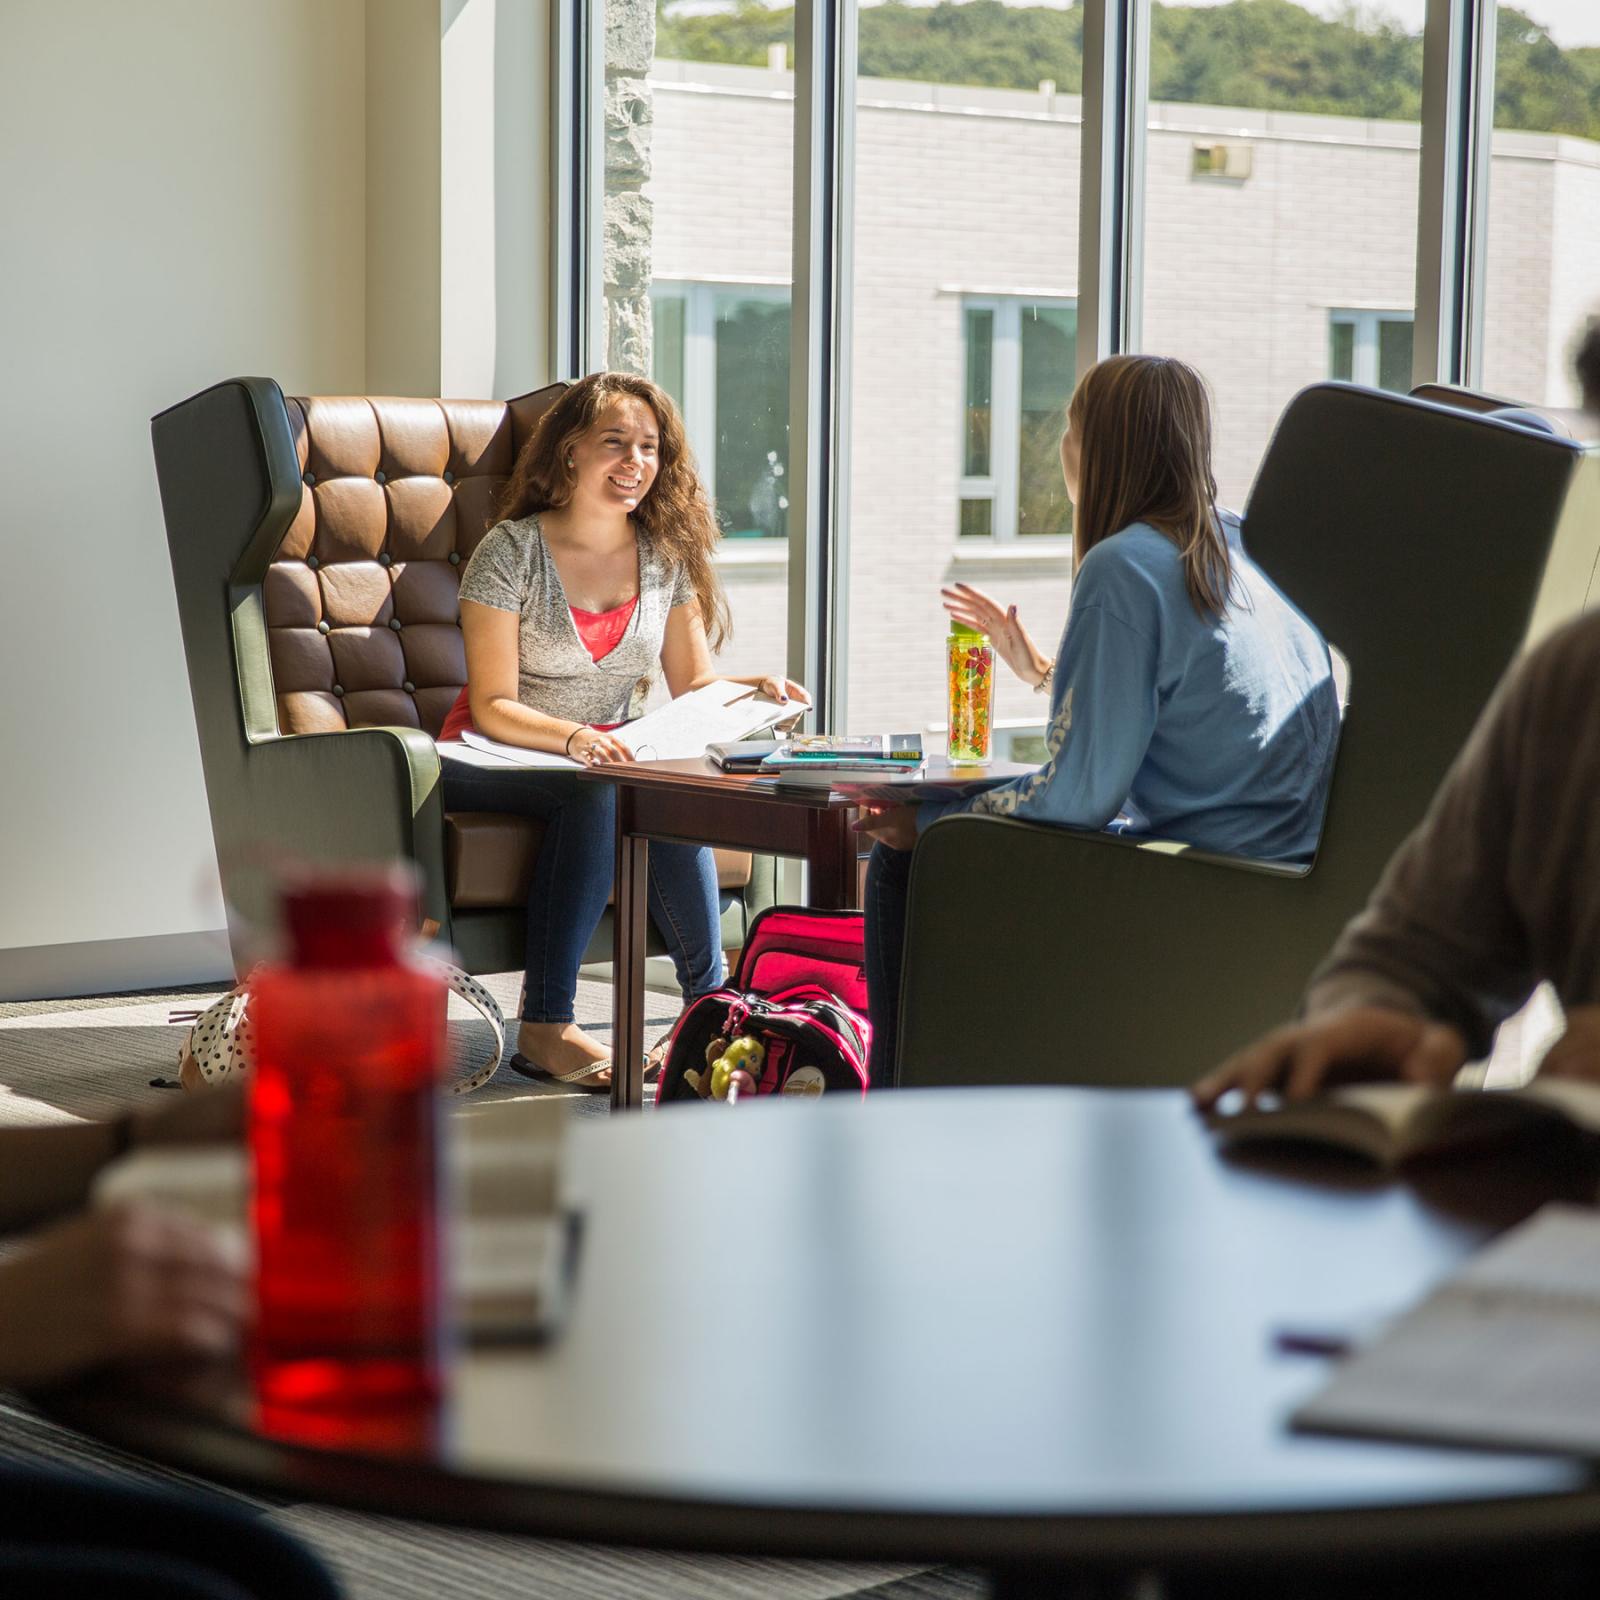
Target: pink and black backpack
792 1021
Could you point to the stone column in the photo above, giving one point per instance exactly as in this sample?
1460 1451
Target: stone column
629 117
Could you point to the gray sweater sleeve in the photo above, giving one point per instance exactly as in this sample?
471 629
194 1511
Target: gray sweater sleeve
1446 933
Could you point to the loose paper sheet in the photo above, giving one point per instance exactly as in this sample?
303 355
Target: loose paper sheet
719 713
1506 1353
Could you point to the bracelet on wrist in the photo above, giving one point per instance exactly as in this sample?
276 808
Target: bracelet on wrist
1046 680
566 749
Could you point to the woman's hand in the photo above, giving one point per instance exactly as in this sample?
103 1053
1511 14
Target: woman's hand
132 1283
975 609
895 826
776 687
592 747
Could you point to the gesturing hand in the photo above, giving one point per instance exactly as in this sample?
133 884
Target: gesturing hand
975 609
1363 1042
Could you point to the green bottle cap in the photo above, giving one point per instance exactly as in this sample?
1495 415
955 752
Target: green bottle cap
959 630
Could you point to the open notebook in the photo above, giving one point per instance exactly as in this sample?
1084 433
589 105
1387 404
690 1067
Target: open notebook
1391 1123
678 730
1505 1354
510 1260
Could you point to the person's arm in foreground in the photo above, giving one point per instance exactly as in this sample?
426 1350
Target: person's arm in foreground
46 1172
1419 981
128 1283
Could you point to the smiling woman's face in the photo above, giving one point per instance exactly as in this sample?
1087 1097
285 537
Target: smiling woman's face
616 461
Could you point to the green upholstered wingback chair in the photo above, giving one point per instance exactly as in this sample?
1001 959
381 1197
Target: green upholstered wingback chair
316 549
1429 546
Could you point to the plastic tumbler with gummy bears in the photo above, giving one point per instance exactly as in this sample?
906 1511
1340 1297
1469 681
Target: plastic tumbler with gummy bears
970 676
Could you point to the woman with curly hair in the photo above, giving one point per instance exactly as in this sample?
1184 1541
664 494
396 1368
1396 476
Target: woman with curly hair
599 570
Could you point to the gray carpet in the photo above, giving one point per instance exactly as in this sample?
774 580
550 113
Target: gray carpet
64 1059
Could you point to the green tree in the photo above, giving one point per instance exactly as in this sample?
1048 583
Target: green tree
1267 55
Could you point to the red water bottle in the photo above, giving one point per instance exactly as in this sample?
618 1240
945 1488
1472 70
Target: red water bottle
344 1105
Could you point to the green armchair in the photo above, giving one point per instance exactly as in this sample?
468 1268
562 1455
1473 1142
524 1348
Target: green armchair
1429 545
316 547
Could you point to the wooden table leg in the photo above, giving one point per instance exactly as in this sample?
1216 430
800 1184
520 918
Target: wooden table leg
631 915
831 861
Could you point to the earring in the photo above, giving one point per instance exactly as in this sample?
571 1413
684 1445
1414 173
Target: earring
569 463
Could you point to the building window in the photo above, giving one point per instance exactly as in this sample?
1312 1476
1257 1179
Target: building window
722 352
1371 348
1021 363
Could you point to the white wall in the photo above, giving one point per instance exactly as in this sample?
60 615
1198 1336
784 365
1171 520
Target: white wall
182 185
192 190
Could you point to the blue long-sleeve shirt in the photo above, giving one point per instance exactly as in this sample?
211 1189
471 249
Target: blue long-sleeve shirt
1218 732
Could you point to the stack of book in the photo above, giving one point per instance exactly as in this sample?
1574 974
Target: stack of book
815 760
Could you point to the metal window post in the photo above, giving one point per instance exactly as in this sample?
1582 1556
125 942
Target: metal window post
819 361
577 187
1116 95
1458 60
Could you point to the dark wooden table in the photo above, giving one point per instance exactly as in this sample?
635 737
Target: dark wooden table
1015 1328
694 802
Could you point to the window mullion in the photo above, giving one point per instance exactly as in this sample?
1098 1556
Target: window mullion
1005 400
1116 78
824 138
1457 119
577 187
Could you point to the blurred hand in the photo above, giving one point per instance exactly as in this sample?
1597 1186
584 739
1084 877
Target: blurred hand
203 1116
1576 1054
593 748
975 609
1365 1042
131 1283
895 826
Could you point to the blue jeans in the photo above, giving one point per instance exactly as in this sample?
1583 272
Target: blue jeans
888 886
572 882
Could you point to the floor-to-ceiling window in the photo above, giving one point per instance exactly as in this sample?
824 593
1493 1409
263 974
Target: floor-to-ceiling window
963 327
696 235
1544 198
1281 238
1280 218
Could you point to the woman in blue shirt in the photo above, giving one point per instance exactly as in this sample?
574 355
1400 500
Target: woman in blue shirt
1189 700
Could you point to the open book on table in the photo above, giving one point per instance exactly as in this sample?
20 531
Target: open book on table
511 1254
1391 1123
1505 1354
719 713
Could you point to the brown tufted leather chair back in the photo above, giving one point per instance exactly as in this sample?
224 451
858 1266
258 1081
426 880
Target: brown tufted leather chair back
360 601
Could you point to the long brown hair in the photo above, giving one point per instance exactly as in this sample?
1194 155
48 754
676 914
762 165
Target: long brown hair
1143 426
675 514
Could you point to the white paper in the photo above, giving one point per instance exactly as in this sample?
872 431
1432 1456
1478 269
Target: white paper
479 751
1506 1353
719 713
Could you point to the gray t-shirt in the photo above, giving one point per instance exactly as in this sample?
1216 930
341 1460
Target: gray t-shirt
511 570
